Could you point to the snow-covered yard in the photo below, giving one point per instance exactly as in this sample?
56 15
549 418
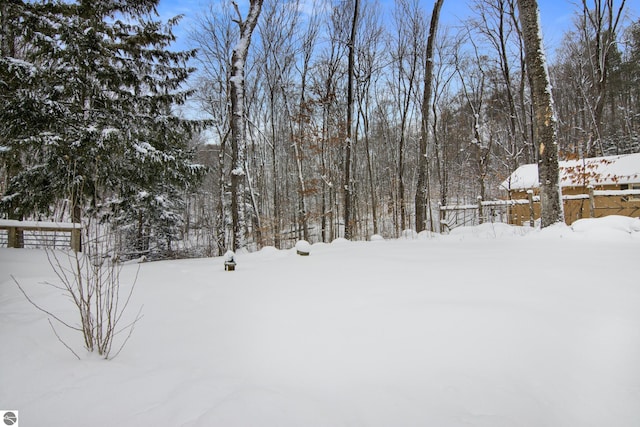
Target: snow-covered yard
489 326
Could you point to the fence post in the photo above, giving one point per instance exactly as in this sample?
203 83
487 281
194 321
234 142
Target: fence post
12 238
15 237
480 215
76 240
592 202
532 220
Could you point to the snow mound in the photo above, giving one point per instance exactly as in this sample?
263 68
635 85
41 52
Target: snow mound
409 234
608 225
376 238
340 241
489 231
428 235
269 250
555 231
229 256
303 247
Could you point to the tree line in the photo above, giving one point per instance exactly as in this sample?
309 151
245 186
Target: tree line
338 132
318 172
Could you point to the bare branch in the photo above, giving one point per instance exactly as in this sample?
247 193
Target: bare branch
62 341
45 311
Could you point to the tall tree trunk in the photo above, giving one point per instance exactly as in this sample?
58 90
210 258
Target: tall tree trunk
401 144
524 128
506 74
348 188
238 126
324 225
297 140
545 122
423 161
275 181
221 208
297 144
372 185
304 119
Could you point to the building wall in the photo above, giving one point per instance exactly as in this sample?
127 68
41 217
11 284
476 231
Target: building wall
575 209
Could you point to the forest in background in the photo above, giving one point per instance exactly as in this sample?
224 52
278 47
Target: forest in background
482 114
101 139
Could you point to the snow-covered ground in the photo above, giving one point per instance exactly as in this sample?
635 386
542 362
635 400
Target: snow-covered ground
489 326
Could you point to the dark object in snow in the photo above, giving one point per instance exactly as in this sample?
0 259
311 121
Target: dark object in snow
229 261
303 248
229 265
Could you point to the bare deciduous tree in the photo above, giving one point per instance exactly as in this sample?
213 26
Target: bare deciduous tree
215 35
238 119
406 57
349 143
599 26
423 162
317 167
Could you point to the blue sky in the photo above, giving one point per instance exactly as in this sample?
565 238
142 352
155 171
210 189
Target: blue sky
556 15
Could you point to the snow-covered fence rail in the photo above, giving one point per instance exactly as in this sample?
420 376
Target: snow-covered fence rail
452 216
290 237
20 234
600 203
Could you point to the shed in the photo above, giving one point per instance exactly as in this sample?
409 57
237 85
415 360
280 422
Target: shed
591 187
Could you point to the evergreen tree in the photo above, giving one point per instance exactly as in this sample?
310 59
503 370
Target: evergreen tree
86 107
29 108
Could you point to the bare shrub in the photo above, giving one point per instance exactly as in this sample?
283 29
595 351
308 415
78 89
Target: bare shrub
91 280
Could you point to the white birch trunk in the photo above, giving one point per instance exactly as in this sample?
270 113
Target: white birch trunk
238 122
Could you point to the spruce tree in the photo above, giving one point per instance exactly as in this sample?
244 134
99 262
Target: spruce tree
86 107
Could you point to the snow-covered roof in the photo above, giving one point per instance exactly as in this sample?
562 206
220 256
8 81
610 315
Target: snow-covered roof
609 170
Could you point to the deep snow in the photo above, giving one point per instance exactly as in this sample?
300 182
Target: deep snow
489 326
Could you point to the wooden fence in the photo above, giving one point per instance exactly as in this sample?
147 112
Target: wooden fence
595 204
20 234
453 216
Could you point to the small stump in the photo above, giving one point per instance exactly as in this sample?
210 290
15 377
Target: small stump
303 248
229 261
